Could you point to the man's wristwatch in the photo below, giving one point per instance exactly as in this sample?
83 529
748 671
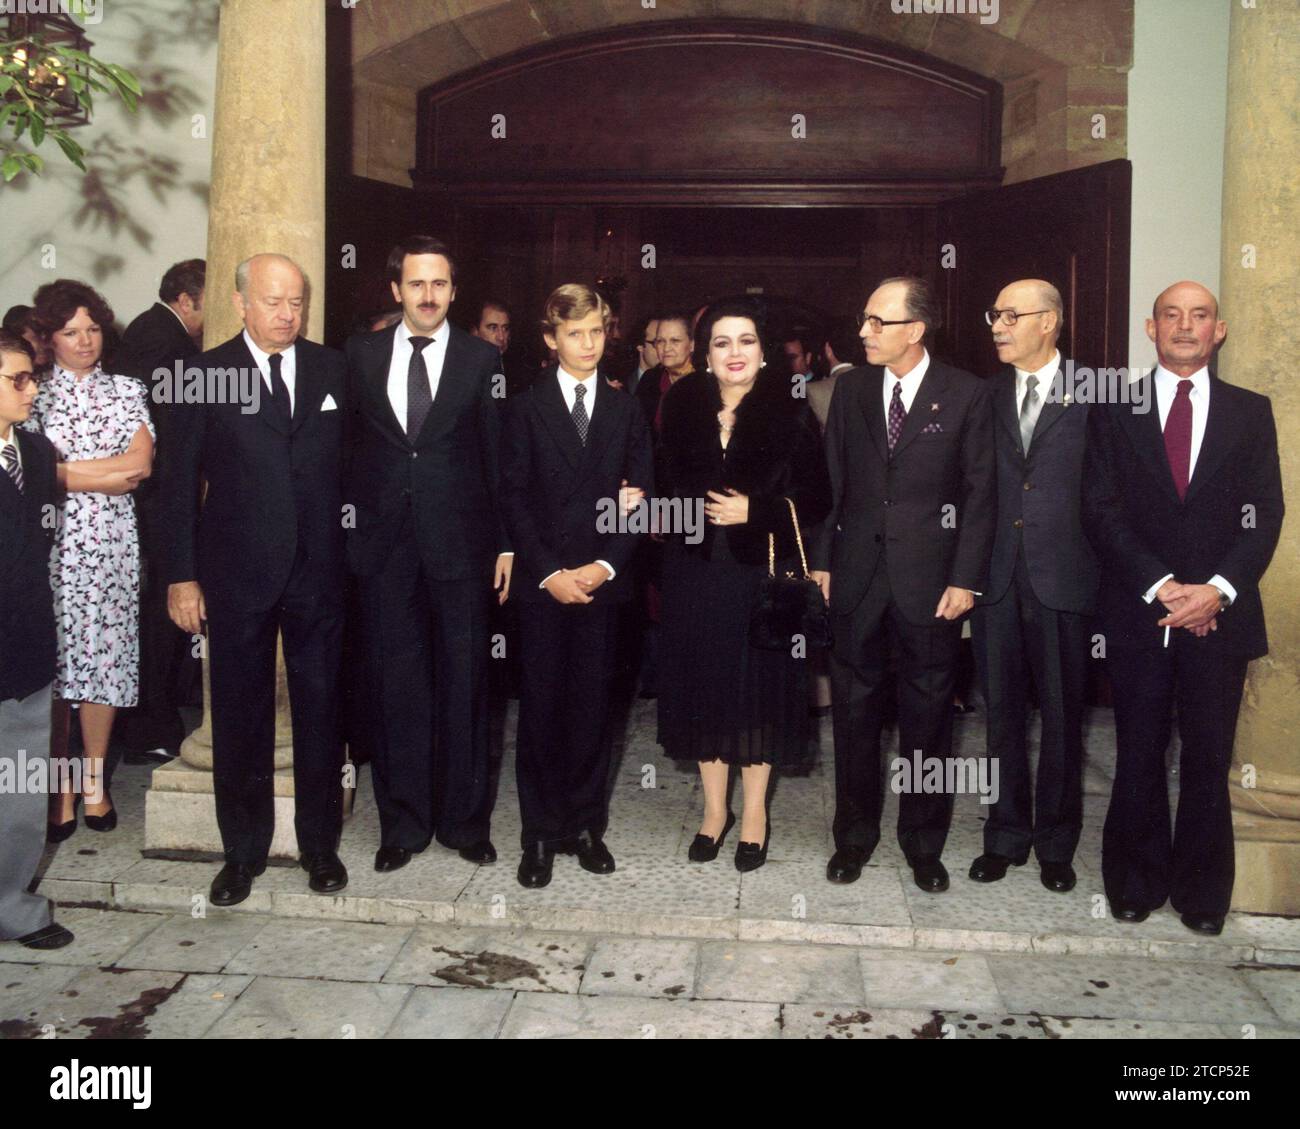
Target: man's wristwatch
1225 600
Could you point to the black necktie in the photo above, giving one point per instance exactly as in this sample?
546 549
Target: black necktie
580 417
280 390
418 397
897 413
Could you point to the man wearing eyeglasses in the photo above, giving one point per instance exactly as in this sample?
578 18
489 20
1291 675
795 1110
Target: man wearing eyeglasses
27 642
901 557
1030 627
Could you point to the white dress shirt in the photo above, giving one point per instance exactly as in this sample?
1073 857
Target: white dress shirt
568 383
910 381
288 367
1044 375
839 368
435 353
1166 384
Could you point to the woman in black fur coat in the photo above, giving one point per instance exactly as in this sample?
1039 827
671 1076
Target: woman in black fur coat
737 441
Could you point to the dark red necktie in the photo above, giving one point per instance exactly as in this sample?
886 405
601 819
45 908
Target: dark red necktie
1178 438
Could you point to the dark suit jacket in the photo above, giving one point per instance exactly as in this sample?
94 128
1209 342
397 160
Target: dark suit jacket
1228 524
1040 498
775 452
447 481
27 653
156 339
889 511
273 493
552 486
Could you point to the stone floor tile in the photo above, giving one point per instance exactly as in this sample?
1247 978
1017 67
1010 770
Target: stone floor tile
534 1016
448 1013
193 944
635 967
779 973
902 980
101 937
322 950
277 1008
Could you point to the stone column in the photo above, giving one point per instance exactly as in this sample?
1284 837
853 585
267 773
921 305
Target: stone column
267 194
1262 147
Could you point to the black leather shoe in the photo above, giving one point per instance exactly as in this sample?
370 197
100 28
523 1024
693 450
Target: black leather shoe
233 883
58 832
326 873
750 856
846 865
991 868
535 867
154 757
704 849
1058 877
391 858
929 874
105 822
1205 923
52 936
593 855
1122 911
482 852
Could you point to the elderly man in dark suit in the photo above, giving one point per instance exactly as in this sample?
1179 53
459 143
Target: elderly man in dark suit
166 335
1030 626
262 557
1183 504
909 443
428 547
28 494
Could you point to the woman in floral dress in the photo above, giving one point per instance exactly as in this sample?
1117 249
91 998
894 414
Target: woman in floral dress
99 425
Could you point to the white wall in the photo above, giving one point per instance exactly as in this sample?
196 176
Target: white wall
1177 104
121 239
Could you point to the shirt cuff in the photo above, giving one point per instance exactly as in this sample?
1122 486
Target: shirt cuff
609 568
506 553
1224 586
546 578
1150 593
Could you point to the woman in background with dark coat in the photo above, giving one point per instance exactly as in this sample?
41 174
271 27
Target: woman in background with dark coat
737 442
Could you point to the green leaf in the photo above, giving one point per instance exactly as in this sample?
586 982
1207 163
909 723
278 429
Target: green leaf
71 150
38 130
5 83
125 78
11 167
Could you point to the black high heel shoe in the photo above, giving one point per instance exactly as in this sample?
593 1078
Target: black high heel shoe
750 856
58 832
704 849
105 822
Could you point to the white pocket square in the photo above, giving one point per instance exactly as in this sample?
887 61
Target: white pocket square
328 404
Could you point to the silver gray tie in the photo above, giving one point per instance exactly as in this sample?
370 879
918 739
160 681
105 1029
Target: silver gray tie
1029 411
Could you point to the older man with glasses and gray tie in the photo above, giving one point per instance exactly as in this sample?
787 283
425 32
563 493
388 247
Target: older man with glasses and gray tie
1030 627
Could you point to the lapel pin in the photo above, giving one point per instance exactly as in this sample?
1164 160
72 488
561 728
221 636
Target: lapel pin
934 407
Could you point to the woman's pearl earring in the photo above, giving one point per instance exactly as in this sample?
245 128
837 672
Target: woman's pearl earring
763 365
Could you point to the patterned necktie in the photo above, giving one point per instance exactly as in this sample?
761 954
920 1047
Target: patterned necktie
580 419
897 413
1029 411
1178 437
418 397
9 456
279 390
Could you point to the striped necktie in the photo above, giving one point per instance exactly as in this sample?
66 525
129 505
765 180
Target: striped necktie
9 456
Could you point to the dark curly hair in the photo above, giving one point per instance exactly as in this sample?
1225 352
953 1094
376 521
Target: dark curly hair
743 307
57 303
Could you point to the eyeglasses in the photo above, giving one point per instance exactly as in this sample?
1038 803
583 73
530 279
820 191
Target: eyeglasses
876 324
1008 317
23 379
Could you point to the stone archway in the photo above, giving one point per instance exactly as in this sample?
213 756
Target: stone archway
1061 62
